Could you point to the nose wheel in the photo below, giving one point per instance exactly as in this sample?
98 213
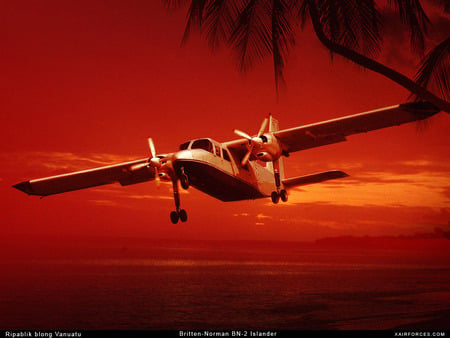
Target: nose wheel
184 179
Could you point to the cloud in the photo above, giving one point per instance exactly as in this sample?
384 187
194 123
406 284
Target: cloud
242 214
326 219
408 183
107 203
143 197
262 216
62 162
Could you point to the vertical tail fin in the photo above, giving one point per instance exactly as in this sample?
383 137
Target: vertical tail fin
274 126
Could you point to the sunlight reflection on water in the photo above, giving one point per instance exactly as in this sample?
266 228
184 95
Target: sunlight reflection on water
235 289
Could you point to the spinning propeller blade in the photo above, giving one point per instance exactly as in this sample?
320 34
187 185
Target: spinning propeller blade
263 127
154 161
152 147
252 140
242 134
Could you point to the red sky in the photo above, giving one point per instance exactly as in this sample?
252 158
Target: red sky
85 83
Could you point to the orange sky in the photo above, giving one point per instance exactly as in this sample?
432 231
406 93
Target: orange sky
84 84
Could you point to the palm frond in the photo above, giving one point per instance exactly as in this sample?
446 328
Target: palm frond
354 24
413 15
445 4
435 69
282 38
300 10
219 21
194 17
370 24
174 4
251 37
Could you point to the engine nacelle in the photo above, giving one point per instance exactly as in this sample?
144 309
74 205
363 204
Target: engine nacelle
268 148
264 156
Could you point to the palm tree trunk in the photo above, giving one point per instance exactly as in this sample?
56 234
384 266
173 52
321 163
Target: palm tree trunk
372 64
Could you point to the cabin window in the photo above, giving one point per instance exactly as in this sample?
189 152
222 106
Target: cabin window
184 146
217 150
203 144
225 155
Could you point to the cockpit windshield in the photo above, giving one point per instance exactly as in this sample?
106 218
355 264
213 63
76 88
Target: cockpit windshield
204 144
185 145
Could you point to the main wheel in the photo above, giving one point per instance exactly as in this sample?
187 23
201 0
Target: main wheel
275 197
184 180
183 215
283 195
174 217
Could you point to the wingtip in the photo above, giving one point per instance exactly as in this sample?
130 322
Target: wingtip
421 107
339 174
24 187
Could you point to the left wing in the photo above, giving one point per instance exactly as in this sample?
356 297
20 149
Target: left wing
336 130
124 173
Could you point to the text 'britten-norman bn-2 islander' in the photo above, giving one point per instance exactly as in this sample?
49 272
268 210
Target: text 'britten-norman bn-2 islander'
250 167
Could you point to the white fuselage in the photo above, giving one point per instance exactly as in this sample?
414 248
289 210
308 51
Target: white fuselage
221 176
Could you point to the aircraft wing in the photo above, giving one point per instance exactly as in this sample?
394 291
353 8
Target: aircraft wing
124 173
336 130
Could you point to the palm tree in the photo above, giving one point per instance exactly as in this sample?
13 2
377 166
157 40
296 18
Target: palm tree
255 29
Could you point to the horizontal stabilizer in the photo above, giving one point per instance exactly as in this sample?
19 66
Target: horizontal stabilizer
314 178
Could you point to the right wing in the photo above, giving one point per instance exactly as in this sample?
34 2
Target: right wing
124 173
337 130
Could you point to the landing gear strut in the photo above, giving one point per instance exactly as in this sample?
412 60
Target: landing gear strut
276 195
178 214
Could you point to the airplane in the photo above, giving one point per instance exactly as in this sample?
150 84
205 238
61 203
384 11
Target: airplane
250 167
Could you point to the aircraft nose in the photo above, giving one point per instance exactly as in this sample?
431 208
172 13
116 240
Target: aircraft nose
183 155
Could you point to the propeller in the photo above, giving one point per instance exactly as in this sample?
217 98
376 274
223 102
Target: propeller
253 141
153 161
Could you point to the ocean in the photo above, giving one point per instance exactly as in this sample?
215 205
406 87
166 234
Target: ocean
139 284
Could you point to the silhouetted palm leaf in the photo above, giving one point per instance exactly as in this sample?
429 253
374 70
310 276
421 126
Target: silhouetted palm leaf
445 4
255 29
219 21
282 37
435 69
174 4
195 17
354 24
251 38
412 14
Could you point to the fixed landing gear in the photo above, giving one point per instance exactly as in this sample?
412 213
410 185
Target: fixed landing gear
178 214
284 195
276 196
279 194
